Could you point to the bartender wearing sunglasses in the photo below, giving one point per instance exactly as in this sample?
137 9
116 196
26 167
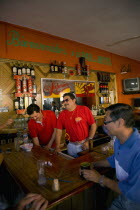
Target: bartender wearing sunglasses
79 124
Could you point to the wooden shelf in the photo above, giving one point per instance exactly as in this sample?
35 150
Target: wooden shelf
23 94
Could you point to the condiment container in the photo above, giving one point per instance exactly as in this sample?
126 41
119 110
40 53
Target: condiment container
56 185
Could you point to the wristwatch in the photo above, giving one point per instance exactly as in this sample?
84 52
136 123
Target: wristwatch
101 181
89 138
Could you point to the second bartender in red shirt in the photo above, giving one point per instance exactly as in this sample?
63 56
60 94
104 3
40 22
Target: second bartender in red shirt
42 126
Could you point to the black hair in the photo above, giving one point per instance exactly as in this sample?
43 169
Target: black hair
33 108
124 111
70 94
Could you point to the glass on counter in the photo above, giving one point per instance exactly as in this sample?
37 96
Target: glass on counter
84 165
41 173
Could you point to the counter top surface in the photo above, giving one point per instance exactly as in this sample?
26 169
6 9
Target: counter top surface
23 166
8 130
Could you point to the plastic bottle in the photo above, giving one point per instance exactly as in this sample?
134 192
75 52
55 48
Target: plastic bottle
25 135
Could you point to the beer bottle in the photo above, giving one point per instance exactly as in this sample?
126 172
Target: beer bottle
55 67
32 72
14 69
16 103
51 67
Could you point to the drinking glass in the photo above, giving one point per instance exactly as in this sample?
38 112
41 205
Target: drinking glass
41 175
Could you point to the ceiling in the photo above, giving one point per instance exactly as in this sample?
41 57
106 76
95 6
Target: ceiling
110 25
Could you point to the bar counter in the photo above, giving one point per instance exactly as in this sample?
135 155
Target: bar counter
23 167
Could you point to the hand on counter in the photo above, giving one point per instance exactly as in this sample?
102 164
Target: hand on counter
48 146
91 175
57 150
38 202
85 145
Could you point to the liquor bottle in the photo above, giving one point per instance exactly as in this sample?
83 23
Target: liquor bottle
34 101
52 67
19 72
21 103
78 68
32 72
14 69
29 100
18 85
65 68
87 70
34 88
55 67
23 70
62 67
82 63
28 70
103 88
100 87
16 103
30 85
59 67
26 104
24 85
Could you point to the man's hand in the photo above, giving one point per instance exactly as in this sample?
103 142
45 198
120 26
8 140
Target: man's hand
48 146
38 202
85 145
57 150
91 175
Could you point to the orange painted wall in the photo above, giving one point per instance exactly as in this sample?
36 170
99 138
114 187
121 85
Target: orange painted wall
67 50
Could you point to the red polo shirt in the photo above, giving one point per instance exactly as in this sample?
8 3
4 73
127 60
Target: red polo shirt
43 130
77 123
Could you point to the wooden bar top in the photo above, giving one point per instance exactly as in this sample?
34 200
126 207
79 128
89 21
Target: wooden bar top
23 166
8 130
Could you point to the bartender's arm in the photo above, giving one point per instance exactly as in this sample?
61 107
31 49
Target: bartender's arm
49 145
91 135
58 139
36 141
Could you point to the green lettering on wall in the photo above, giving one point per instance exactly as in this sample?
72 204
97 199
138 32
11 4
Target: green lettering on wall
16 39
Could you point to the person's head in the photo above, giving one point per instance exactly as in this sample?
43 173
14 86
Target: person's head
118 116
69 101
53 103
33 110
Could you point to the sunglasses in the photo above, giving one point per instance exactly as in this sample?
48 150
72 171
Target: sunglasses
107 122
66 100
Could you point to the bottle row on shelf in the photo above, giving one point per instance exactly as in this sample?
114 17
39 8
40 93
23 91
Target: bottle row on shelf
103 88
21 103
23 69
104 100
24 85
103 77
58 67
61 67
